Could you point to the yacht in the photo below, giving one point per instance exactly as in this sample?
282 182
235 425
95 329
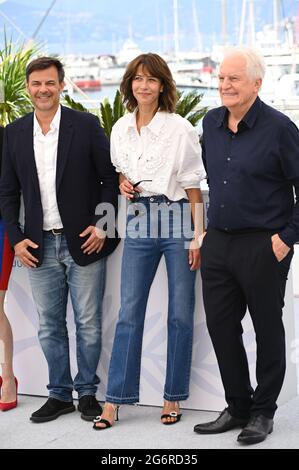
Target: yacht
87 83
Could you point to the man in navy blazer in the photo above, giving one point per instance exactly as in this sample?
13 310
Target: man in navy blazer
59 160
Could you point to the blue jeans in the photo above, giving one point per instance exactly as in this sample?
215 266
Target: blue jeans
50 284
140 261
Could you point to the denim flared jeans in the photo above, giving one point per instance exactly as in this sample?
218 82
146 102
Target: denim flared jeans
147 240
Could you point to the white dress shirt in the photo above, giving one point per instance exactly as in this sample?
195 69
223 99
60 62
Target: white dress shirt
167 151
45 152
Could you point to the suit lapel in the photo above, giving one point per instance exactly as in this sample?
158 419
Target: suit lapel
64 142
27 149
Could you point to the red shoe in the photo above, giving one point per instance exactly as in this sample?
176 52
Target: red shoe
12 404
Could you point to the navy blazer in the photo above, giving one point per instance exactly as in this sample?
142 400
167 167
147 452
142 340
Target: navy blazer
85 177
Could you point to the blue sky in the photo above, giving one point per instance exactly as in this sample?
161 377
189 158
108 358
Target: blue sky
102 25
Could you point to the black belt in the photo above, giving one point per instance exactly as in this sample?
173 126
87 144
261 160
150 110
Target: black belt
154 198
244 231
55 231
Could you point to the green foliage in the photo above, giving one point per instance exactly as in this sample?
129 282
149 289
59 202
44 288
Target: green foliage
68 101
110 115
107 114
118 107
14 100
186 106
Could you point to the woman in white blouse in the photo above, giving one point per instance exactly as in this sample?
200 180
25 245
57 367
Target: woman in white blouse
162 149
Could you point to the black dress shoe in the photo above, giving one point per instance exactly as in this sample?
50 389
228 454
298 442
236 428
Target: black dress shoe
224 422
51 410
257 430
89 407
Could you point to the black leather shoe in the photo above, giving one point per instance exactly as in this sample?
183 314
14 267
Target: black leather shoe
223 423
51 410
89 407
257 430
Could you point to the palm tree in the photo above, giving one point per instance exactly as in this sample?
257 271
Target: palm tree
187 105
14 100
107 114
110 114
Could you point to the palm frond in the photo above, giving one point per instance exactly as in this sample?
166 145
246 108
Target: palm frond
118 107
15 101
106 116
71 103
186 105
195 117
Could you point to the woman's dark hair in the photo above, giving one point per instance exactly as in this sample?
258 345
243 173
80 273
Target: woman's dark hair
156 67
43 63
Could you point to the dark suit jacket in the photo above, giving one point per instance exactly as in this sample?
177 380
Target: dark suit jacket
84 177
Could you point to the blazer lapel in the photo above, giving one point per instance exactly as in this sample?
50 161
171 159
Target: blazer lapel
64 142
27 149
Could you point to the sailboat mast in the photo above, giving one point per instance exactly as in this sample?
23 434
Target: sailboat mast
242 23
16 27
43 20
251 23
196 27
176 29
296 43
275 20
296 35
224 22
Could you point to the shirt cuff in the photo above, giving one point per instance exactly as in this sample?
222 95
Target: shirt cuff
191 180
289 236
117 168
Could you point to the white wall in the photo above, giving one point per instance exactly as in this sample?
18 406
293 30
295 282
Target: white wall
295 267
205 389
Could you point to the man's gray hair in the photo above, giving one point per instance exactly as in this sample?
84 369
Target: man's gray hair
256 66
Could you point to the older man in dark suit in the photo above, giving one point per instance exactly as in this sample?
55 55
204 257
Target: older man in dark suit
251 154
59 159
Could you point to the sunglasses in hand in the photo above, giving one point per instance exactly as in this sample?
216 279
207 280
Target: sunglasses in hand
136 194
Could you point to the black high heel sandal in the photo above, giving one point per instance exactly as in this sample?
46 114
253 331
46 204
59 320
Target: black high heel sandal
172 414
107 423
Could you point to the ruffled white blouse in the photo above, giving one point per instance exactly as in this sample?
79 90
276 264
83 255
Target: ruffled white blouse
167 151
